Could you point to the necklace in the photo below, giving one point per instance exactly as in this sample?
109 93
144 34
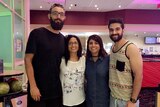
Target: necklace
94 56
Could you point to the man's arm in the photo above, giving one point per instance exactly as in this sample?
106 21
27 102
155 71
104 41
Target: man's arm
30 74
136 64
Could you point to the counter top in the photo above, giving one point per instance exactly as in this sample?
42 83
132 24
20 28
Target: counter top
7 73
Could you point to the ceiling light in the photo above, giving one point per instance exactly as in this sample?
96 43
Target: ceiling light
95 5
97 8
157 34
119 6
144 32
41 7
71 5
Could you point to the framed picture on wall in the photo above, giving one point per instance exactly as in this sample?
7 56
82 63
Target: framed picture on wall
150 49
19 45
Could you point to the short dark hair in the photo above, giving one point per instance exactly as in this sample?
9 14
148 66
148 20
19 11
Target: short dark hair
79 52
116 20
97 38
55 5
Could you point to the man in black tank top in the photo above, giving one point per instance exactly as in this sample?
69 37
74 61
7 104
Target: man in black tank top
45 48
125 74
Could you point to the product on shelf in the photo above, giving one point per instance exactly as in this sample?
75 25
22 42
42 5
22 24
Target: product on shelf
15 85
1 66
11 88
4 88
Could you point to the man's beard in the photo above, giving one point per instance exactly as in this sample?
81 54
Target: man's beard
116 37
56 24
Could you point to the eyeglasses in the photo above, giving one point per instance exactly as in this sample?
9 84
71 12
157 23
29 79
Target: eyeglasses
73 43
55 13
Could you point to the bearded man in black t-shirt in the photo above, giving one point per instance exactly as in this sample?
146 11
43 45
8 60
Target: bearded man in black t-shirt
45 48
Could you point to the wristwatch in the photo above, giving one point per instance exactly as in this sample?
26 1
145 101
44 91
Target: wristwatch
133 100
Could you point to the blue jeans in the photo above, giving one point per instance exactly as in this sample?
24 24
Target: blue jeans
119 103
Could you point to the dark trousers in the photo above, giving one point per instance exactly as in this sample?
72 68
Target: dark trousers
45 103
80 105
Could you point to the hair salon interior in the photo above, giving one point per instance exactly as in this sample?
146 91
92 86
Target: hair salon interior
83 18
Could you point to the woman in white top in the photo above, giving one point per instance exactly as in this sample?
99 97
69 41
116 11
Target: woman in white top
72 73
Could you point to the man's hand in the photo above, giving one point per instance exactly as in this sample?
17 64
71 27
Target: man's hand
35 93
130 104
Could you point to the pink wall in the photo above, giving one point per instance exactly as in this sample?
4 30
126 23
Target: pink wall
85 18
38 17
143 16
132 16
101 18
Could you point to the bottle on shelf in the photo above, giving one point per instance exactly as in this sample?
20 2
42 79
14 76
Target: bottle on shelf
1 66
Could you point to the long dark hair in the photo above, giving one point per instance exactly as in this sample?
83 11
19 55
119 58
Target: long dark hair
67 54
97 38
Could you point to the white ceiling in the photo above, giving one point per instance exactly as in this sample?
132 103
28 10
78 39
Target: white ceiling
89 5
104 6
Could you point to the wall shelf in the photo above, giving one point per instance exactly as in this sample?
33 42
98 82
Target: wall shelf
6 98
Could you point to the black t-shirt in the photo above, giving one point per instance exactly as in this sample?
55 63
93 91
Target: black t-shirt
48 49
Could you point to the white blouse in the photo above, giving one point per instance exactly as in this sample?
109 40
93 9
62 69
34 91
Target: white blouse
72 80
